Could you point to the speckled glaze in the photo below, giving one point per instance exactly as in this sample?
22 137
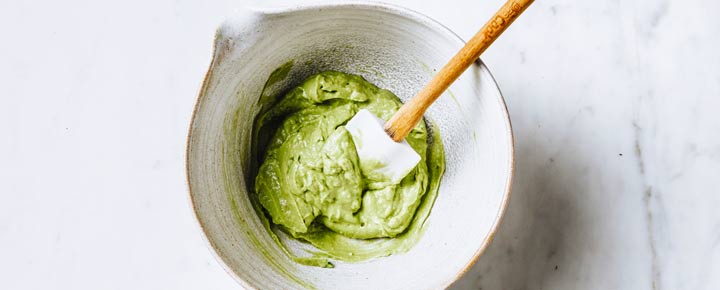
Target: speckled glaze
393 48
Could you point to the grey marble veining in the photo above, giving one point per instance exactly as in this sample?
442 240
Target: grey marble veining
611 103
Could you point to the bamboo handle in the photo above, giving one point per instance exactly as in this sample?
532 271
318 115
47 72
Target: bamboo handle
411 112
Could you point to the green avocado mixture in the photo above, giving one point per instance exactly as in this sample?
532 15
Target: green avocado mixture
310 183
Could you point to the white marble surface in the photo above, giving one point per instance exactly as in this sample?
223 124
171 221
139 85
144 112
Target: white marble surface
615 106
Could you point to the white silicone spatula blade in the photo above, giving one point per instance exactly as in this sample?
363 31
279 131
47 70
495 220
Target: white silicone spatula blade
379 154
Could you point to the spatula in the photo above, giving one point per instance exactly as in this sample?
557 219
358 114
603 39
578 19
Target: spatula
382 149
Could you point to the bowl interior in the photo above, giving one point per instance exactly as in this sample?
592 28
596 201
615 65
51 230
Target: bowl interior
392 48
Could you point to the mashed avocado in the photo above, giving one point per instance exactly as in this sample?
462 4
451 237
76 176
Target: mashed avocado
310 182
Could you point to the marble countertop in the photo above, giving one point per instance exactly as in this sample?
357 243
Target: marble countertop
615 107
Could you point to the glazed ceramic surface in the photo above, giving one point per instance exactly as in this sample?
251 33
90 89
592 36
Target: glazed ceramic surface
393 48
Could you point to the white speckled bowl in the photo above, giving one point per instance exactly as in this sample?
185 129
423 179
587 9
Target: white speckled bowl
393 48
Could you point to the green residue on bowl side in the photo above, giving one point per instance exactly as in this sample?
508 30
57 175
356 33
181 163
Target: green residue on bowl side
232 159
276 76
371 71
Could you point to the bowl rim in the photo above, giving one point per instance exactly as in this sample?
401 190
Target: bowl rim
369 5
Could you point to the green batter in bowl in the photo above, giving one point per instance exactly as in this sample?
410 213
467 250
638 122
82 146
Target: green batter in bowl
311 183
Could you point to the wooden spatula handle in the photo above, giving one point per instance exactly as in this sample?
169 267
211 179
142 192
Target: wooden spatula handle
412 111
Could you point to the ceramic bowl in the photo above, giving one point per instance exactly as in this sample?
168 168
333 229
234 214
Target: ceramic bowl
392 47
